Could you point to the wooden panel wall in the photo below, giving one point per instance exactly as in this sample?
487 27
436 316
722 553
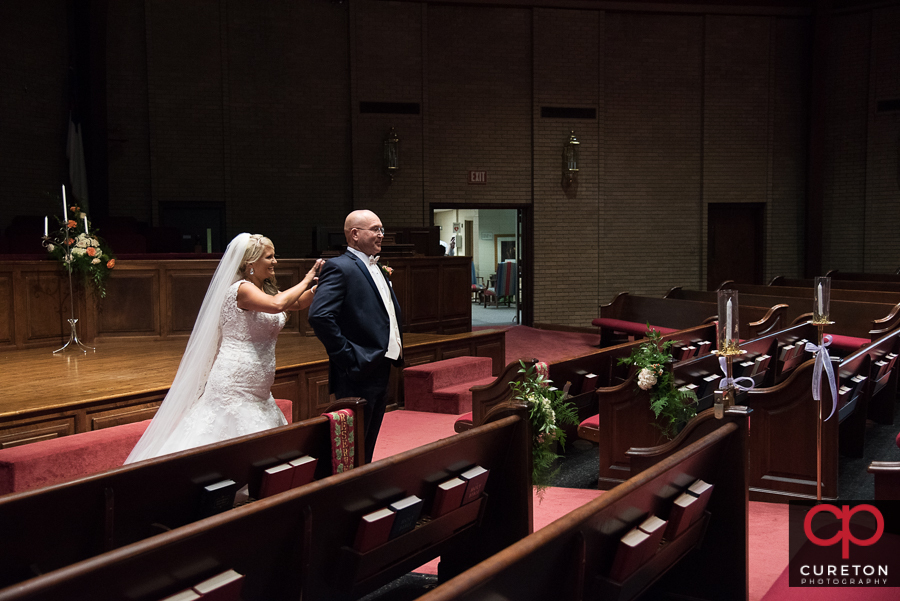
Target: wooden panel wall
158 299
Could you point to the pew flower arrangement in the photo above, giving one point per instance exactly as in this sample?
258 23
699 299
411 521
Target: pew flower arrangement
90 256
548 410
672 407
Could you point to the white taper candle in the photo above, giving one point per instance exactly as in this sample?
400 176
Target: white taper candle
65 210
85 225
821 303
728 322
45 226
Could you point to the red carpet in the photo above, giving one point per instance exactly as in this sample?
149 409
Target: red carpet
404 430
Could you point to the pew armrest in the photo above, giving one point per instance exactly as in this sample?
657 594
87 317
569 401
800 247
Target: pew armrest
887 479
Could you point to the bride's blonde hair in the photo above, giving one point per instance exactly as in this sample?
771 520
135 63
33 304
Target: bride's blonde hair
256 248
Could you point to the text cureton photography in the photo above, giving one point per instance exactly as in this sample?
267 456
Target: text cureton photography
845 543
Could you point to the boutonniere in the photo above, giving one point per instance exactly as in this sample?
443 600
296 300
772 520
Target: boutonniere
387 270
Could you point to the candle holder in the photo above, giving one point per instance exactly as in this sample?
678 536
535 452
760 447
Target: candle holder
821 306
61 237
728 341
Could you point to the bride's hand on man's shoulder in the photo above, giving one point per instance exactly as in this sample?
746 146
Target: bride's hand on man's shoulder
316 268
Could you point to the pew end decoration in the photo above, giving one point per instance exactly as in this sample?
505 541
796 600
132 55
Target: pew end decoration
548 411
728 340
652 360
821 309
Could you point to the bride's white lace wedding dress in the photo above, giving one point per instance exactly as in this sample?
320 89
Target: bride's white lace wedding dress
237 399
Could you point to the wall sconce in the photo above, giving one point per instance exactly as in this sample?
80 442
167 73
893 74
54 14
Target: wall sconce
570 158
391 157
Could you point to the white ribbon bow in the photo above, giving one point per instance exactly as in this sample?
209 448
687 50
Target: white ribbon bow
822 359
373 260
726 381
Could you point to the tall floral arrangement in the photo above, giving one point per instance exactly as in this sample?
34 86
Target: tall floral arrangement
671 406
548 410
90 256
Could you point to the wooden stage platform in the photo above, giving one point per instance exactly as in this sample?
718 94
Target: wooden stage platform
47 395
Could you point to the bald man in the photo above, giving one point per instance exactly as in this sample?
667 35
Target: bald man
356 316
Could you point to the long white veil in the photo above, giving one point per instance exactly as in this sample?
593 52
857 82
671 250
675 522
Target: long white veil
193 371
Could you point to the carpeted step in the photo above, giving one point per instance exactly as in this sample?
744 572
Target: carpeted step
443 386
456 399
449 372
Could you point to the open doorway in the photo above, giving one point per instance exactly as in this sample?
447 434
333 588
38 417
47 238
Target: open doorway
493 238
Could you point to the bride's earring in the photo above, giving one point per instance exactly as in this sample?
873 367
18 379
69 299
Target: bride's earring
251 271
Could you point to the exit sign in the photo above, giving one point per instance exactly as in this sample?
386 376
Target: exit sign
477 177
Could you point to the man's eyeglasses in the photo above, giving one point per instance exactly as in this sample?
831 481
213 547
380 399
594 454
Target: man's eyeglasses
374 230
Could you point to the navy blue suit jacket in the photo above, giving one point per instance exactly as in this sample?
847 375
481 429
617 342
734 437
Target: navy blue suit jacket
349 317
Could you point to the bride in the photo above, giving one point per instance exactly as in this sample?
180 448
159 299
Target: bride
223 385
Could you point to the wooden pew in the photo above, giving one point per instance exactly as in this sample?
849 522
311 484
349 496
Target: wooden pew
887 480
783 437
860 296
602 363
59 525
854 320
299 543
570 559
836 284
629 314
849 276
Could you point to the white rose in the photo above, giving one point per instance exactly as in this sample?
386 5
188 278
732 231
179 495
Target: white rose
51 247
82 215
95 261
646 379
78 251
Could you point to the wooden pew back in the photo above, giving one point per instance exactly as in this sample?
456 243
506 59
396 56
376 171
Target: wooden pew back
627 421
836 284
859 319
602 362
570 558
299 542
684 313
87 517
860 296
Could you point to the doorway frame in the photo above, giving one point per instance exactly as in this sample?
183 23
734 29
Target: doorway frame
526 215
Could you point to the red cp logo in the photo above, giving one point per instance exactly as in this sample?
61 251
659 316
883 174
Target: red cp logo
844 514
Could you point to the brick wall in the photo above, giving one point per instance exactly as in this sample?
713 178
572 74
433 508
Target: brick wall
479 104
652 195
567 73
882 246
388 66
847 116
34 105
128 115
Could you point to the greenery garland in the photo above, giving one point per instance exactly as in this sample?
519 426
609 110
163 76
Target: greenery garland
548 409
672 407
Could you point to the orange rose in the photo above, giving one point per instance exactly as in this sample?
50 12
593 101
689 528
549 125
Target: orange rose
91 251
74 209
71 224
111 263
70 242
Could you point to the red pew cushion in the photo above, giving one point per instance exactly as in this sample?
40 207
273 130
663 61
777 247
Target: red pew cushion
589 429
629 327
66 458
848 343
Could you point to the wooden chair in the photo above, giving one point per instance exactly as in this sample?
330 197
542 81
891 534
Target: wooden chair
477 287
504 285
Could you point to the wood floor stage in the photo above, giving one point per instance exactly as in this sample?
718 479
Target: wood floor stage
46 395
